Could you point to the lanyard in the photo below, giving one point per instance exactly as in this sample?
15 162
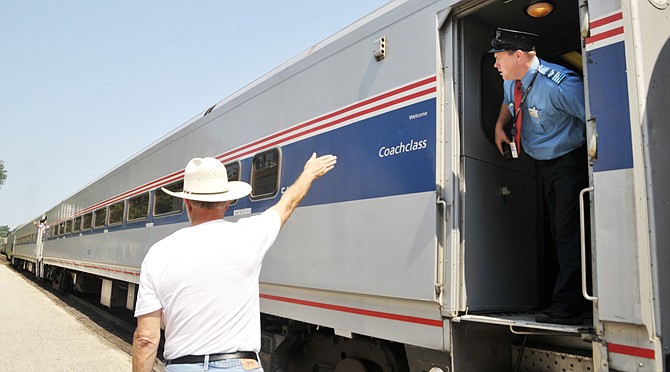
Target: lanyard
525 94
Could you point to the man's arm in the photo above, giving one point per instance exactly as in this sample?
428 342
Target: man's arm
569 97
500 134
145 341
314 168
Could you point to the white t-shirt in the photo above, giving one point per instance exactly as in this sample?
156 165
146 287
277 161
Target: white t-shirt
205 278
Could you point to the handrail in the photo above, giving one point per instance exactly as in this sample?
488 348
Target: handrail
582 234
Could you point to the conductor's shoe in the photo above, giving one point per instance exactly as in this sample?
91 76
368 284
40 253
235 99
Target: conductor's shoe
556 315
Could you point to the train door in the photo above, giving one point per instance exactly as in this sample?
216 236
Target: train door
39 248
493 257
509 260
509 264
10 247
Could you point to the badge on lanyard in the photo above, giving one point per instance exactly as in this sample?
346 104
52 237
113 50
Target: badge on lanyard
512 148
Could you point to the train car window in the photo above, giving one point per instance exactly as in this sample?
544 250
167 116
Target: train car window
265 174
233 170
116 212
76 227
138 207
87 221
99 217
26 239
164 204
68 226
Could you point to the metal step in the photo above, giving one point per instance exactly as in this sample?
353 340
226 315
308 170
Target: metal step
525 323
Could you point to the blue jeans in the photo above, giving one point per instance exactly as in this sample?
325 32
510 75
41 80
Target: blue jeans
228 365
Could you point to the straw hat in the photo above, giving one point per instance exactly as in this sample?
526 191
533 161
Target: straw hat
206 179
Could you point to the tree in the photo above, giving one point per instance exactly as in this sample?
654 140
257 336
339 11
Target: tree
3 173
4 231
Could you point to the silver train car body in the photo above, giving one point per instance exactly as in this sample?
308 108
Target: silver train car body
422 250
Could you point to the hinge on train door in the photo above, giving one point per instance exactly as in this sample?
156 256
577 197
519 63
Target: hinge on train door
592 131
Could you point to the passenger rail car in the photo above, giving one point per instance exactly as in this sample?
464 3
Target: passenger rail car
423 250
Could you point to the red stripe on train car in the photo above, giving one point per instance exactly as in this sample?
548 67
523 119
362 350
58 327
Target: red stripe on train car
330 124
606 20
394 92
631 350
352 310
605 35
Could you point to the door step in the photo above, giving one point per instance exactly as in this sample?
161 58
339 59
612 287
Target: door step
525 323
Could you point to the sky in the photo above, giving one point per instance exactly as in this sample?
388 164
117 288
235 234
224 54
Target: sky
85 85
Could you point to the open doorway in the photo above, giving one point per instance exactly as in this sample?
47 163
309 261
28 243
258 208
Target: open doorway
510 262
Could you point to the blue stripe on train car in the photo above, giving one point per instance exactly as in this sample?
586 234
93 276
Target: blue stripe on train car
384 155
388 154
608 96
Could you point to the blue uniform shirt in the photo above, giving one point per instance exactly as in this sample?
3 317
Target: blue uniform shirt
553 112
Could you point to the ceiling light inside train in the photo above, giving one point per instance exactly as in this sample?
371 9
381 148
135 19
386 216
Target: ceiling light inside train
539 9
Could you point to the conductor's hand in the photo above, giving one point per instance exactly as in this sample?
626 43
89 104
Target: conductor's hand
317 167
501 137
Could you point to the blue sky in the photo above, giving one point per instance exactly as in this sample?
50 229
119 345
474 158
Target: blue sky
84 85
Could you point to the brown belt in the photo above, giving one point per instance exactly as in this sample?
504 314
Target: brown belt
192 359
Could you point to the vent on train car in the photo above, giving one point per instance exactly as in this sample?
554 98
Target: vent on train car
379 50
209 110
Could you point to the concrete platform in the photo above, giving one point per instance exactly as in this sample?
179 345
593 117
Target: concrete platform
39 334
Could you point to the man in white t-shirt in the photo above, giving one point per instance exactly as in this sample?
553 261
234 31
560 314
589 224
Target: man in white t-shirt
203 279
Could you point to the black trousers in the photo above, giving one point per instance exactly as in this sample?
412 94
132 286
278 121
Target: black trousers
563 179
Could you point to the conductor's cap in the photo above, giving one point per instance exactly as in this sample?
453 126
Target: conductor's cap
505 39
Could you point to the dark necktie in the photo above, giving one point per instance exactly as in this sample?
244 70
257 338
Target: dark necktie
517 110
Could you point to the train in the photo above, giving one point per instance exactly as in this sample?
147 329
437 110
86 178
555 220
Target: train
424 250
